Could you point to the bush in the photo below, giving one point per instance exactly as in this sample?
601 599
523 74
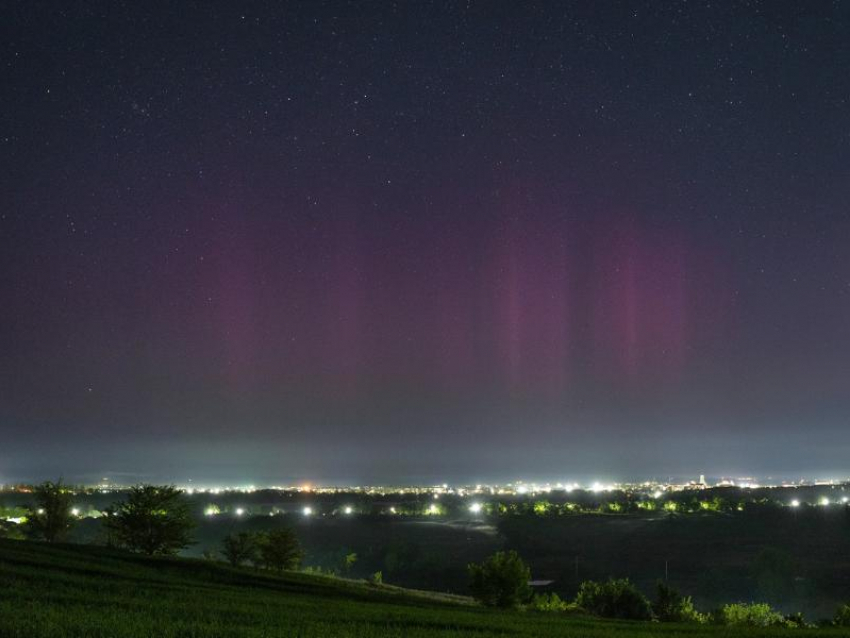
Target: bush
671 606
752 615
842 616
548 602
12 531
377 578
614 599
795 620
501 580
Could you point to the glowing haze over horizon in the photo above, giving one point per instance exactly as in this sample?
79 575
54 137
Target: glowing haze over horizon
401 242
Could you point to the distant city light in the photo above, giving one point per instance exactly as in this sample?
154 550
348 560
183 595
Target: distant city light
239 511
795 503
522 489
845 499
307 511
40 510
348 509
475 508
657 494
824 501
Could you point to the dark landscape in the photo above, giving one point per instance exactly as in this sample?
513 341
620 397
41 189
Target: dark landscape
363 318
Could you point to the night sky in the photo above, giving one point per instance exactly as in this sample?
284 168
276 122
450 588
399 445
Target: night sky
424 241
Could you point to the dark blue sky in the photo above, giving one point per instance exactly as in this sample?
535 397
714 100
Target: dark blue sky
424 241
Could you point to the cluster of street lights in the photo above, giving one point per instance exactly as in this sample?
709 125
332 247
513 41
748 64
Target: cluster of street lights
824 501
348 510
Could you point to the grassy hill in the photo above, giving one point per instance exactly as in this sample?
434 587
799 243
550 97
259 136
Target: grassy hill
86 591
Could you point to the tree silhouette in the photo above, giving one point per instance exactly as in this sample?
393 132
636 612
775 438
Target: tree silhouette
280 550
154 519
51 519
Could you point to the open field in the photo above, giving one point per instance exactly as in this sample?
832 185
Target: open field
74 591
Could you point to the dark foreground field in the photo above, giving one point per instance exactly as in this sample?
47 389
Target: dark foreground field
83 591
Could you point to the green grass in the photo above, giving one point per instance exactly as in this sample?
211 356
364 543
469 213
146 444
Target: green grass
64 591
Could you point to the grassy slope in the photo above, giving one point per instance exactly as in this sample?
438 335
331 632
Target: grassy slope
86 591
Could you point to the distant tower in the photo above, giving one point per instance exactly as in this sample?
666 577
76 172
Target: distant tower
702 479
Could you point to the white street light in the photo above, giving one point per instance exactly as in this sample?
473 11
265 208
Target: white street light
475 508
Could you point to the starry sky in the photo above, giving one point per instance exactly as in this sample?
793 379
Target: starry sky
424 241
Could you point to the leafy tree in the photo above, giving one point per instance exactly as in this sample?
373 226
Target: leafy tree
501 580
671 606
280 549
614 599
240 548
51 519
541 508
154 520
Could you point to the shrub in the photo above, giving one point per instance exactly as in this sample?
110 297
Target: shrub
548 602
614 599
377 578
671 606
752 615
795 620
842 616
501 580
12 531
